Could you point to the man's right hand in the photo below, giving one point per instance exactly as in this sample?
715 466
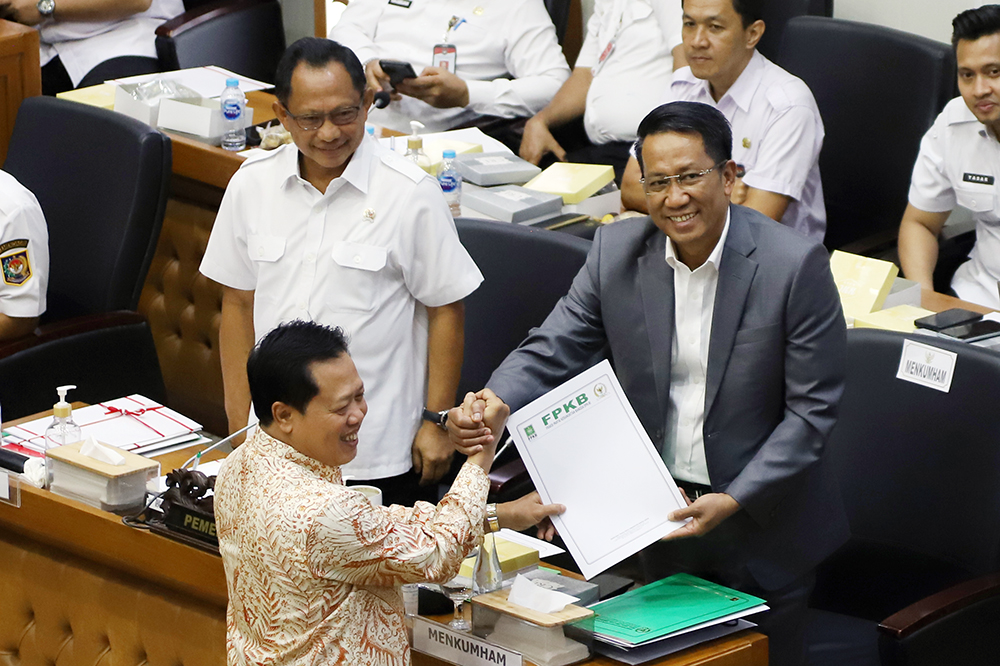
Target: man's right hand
537 141
478 422
379 80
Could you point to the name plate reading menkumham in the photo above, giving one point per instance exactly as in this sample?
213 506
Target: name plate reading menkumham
457 647
926 365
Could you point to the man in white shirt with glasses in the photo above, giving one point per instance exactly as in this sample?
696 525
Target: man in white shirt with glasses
339 230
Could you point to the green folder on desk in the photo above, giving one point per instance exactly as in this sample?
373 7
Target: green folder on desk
666 606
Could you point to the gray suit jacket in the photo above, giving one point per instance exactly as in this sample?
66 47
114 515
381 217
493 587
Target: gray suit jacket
775 372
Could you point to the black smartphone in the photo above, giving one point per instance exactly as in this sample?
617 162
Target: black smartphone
397 70
947 319
977 330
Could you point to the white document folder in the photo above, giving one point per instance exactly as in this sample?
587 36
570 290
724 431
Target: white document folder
584 447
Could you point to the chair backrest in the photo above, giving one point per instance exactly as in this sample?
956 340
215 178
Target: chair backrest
106 356
777 13
102 180
858 73
244 36
919 468
526 271
559 13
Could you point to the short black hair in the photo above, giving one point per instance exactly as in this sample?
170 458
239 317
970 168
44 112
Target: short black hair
973 24
689 118
279 366
316 52
749 11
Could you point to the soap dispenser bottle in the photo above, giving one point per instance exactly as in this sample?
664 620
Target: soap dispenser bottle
62 430
415 149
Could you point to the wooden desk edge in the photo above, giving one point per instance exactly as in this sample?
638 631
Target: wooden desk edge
743 648
101 537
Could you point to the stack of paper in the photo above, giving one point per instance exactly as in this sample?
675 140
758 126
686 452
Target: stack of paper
667 608
899 318
863 282
134 423
513 558
573 182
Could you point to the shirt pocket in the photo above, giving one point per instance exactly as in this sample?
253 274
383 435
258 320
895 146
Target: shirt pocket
978 199
265 248
356 276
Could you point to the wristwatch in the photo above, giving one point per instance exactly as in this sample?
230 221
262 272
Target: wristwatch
440 419
491 518
46 8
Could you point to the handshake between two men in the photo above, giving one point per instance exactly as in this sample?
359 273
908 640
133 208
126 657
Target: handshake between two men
475 428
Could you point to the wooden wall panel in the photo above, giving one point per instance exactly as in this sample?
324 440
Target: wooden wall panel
20 75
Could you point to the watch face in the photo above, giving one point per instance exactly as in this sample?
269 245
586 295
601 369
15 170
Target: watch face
46 7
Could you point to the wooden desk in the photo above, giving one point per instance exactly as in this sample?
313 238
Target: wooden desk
20 75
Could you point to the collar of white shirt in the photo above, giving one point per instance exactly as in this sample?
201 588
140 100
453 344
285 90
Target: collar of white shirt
715 258
741 92
357 172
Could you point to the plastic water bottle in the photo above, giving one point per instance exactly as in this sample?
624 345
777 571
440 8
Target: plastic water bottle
233 106
451 183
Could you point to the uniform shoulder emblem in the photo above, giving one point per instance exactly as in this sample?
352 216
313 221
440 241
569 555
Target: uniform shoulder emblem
404 166
14 262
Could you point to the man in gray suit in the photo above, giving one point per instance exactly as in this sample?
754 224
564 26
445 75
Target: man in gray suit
730 343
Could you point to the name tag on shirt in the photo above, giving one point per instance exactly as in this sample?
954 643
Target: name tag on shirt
445 56
405 4
608 50
978 178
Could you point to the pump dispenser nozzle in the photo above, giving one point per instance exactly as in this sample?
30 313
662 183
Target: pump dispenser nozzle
63 408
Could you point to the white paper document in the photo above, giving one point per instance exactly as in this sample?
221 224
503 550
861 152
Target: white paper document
584 447
134 423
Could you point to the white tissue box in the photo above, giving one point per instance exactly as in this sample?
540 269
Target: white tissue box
197 117
146 111
116 488
544 639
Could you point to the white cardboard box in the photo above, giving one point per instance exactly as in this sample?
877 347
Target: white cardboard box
202 118
145 111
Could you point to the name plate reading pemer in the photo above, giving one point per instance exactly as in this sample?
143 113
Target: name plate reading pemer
457 647
926 365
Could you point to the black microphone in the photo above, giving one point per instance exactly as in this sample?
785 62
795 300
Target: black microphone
381 99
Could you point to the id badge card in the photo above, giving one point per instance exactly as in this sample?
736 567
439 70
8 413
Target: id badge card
445 57
608 50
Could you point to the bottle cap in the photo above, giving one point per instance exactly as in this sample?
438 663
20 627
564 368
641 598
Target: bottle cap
232 83
448 154
414 142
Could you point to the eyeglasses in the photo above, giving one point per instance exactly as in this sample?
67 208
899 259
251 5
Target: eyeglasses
308 122
685 181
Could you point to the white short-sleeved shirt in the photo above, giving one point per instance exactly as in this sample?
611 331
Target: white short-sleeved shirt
24 251
959 164
368 255
507 53
627 82
82 45
777 135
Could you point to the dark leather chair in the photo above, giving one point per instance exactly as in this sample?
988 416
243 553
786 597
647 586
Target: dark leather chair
243 36
106 356
919 471
102 180
526 271
559 13
777 13
872 136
